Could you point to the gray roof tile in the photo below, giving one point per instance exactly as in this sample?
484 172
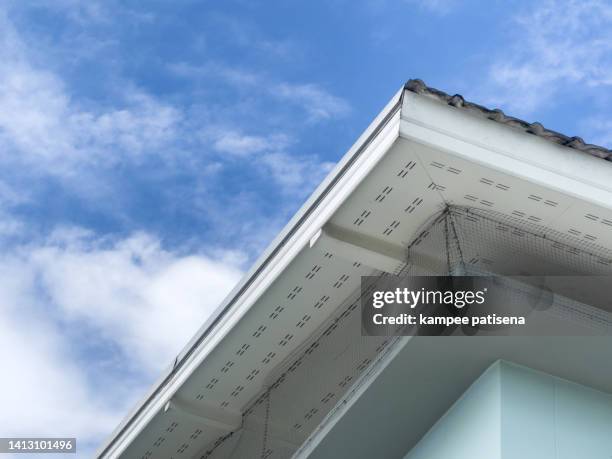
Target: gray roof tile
419 87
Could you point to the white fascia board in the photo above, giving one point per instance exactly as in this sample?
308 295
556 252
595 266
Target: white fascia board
371 146
510 150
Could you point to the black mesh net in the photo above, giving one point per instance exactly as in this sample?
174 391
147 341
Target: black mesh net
466 241
459 241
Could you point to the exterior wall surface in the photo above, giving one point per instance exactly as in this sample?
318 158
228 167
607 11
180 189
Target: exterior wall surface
471 428
512 412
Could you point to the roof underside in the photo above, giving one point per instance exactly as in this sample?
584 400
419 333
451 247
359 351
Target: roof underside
294 352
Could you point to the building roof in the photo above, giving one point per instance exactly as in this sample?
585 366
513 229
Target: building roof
418 155
419 87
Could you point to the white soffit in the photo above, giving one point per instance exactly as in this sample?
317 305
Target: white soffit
152 419
358 222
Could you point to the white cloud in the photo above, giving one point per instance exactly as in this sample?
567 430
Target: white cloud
295 175
42 125
44 393
138 298
317 102
600 130
137 301
144 298
216 71
560 45
435 6
246 35
236 143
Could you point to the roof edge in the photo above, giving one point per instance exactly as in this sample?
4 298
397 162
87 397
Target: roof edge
418 86
137 417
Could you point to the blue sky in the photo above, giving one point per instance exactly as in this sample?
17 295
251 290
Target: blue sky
150 150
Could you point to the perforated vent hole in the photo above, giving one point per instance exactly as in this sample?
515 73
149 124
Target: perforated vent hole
213 382
159 441
296 290
259 331
362 217
407 168
341 280
453 170
384 193
303 321
245 347
315 269
237 391
394 224
311 413
172 427
413 205
276 312
252 374
319 304
229 364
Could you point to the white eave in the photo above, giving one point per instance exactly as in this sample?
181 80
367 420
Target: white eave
352 168
408 117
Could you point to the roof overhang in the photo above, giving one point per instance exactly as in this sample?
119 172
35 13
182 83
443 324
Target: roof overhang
431 153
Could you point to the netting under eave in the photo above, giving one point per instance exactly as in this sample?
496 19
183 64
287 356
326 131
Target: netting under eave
471 241
458 241
467 241
306 390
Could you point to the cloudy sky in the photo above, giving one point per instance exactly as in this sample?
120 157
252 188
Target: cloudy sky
150 150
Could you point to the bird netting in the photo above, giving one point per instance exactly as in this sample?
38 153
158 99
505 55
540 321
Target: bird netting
335 360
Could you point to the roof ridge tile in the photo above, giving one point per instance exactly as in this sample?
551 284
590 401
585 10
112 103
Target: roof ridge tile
419 87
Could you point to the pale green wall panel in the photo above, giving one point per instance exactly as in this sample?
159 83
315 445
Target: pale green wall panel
513 412
471 428
584 422
528 407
